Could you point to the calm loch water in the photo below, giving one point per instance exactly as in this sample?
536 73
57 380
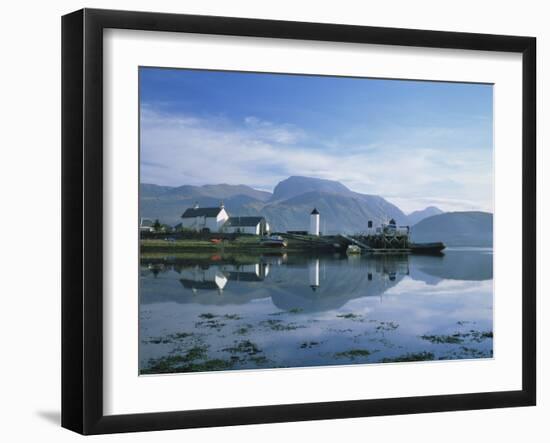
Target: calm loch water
202 313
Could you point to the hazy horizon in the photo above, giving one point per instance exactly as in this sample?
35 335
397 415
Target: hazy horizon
271 192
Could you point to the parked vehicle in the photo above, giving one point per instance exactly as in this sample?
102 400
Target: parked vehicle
274 241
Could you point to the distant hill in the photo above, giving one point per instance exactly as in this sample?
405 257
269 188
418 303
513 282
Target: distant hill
339 213
456 229
296 185
416 216
207 191
168 203
288 208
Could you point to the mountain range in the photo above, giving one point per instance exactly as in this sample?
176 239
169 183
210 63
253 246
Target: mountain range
288 207
416 216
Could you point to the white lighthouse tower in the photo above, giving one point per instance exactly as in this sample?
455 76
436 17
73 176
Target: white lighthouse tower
314 222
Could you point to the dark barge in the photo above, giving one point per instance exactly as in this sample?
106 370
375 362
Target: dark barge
388 239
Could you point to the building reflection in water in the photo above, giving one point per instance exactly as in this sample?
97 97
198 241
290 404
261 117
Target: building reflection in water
208 278
311 283
203 278
313 267
373 275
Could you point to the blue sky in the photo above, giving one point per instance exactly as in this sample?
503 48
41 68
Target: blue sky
415 143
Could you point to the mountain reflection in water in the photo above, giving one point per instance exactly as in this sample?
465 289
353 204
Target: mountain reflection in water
202 313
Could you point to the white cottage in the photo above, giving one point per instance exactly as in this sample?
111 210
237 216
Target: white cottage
146 225
204 219
247 225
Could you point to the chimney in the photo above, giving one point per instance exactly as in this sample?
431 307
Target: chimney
221 205
196 205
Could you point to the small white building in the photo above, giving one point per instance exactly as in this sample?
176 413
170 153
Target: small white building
247 225
204 219
146 225
314 222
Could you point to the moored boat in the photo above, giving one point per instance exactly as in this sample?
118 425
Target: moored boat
275 241
427 248
353 250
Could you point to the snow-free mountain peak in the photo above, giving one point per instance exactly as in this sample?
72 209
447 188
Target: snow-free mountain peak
296 185
416 216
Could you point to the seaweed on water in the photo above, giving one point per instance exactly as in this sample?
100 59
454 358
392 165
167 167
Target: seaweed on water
242 330
309 344
349 316
182 335
208 365
157 340
173 363
278 325
196 352
353 353
478 336
170 338
259 360
212 324
414 356
163 364
295 310
386 326
458 337
207 316
454 339
290 311
243 347
339 331
474 353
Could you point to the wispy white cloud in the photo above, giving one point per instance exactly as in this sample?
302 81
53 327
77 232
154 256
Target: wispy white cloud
184 149
270 132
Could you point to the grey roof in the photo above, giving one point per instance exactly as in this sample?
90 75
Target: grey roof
146 223
243 221
201 212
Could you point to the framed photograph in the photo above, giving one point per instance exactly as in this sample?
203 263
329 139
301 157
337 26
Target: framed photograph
269 221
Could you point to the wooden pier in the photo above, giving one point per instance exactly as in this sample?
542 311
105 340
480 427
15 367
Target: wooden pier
356 242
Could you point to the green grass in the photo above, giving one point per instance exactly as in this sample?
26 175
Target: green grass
190 244
247 243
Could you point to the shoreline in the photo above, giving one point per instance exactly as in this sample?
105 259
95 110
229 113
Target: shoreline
241 245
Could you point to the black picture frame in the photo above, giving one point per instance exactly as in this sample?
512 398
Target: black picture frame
82 215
